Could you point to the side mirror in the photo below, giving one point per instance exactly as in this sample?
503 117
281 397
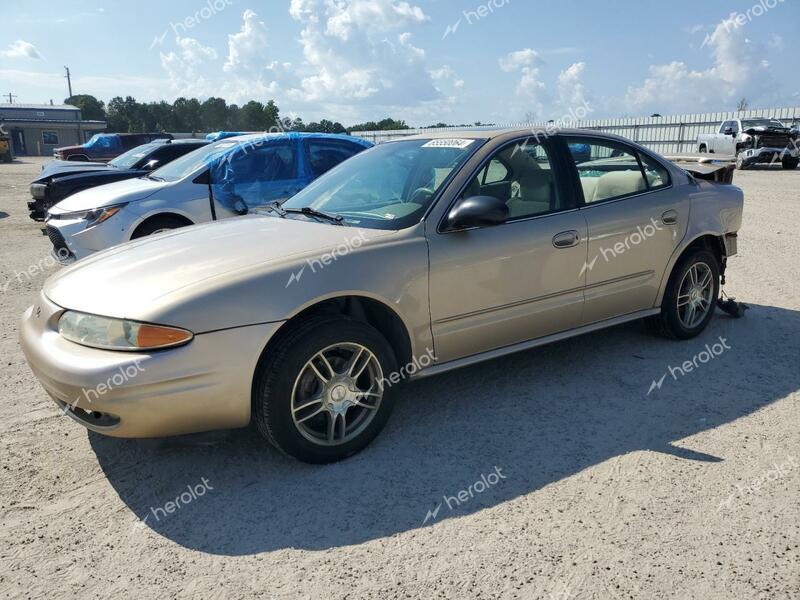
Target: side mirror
150 165
476 211
728 131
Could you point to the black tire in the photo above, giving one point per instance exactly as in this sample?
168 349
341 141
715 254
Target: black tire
703 149
790 163
282 364
668 323
157 225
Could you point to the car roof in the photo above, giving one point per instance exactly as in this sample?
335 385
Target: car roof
300 135
489 134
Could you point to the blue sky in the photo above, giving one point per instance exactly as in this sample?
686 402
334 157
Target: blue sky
354 60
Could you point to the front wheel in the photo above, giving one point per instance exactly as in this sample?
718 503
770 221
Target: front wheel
790 163
320 393
690 297
156 225
740 164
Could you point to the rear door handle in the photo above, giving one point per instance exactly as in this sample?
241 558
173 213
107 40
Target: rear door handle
670 217
566 239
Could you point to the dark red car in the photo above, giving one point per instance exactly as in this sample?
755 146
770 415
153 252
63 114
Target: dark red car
104 147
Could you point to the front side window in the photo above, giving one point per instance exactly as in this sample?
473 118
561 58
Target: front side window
323 155
50 137
522 177
205 156
389 186
608 170
247 175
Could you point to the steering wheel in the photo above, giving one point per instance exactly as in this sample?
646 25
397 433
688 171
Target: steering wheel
418 192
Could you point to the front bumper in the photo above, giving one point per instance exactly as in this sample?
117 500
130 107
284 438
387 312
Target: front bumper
201 386
72 240
768 154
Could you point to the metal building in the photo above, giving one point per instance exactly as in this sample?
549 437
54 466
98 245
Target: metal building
36 129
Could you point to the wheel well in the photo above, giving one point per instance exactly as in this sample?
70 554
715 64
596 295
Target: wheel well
152 218
360 308
713 244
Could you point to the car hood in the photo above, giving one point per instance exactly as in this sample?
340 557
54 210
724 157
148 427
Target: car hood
178 278
128 190
68 167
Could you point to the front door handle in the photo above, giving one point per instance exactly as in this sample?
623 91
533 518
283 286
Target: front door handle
566 239
670 217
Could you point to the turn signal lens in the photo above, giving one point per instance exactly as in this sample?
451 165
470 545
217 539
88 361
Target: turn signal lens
156 336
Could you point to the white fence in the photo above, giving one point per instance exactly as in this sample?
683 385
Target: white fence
665 135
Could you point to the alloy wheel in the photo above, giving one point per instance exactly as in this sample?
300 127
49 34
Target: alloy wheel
337 394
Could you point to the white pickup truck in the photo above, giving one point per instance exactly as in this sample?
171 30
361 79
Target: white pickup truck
753 141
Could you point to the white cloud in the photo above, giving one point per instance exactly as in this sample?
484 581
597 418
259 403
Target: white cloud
514 61
571 90
247 49
21 49
738 70
361 51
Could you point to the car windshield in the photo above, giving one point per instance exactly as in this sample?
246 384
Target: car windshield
194 160
751 123
129 159
389 186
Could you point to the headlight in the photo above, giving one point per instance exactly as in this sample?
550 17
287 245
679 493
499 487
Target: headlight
92 217
38 190
119 334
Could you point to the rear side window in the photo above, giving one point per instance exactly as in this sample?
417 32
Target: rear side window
323 155
657 176
607 170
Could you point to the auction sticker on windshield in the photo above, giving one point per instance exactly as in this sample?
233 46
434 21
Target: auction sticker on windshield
448 143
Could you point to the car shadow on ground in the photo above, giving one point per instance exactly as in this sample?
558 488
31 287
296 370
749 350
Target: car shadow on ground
3 215
539 416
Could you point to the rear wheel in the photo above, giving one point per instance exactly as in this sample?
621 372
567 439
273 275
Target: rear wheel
319 393
790 163
690 297
703 149
158 225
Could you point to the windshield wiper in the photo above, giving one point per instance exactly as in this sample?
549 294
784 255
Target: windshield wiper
313 212
275 207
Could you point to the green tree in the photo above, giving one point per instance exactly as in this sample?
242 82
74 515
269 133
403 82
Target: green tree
91 107
214 112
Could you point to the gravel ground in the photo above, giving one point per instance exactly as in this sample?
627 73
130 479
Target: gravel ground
576 483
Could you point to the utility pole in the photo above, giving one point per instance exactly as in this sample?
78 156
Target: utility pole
69 81
11 97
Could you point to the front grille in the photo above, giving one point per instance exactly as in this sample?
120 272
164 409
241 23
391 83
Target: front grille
59 245
772 140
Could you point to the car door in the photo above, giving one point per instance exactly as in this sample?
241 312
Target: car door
726 142
636 219
499 285
254 175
